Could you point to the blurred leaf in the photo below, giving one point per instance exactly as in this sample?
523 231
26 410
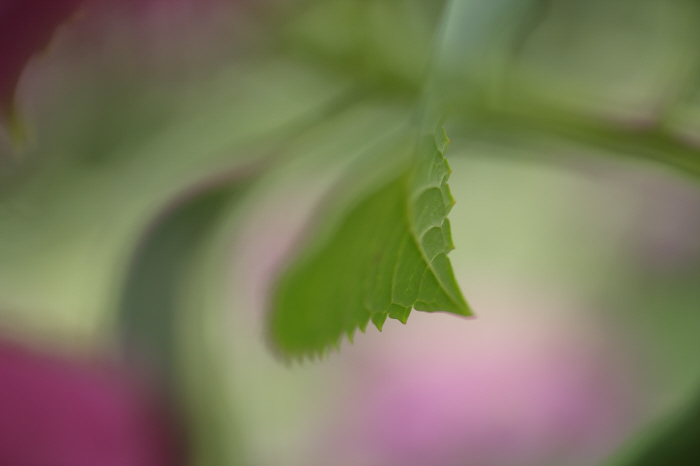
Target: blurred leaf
164 311
148 308
386 255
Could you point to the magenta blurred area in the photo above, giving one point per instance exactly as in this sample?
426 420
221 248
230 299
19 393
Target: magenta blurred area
61 411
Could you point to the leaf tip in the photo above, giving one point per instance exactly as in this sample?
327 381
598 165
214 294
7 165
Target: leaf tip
400 313
363 324
441 139
378 320
351 335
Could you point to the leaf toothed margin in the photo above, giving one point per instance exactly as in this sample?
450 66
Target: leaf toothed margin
387 256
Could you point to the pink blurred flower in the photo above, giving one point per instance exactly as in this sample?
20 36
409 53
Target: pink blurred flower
519 389
55 412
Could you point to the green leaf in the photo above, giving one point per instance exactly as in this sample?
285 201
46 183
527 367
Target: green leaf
386 255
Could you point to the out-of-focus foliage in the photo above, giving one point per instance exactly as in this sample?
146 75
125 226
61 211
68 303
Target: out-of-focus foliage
386 44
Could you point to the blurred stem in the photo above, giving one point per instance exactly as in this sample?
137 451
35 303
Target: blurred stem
481 39
653 142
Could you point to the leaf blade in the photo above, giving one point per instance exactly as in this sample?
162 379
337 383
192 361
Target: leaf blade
387 256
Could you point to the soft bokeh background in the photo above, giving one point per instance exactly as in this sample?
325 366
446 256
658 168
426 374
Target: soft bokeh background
576 233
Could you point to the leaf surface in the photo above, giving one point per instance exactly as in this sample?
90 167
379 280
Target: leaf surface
386 255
